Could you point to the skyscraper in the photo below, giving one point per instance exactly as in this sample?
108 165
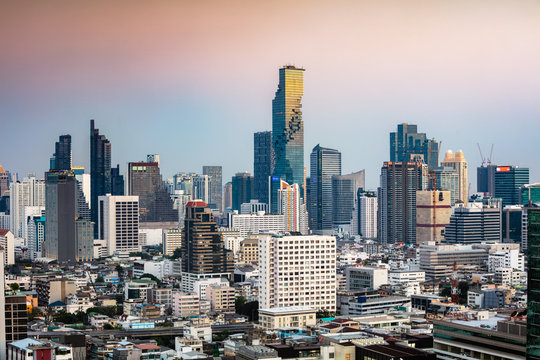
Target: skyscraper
242 189
155 203
345 200
100 170
227 196
29 192
485 179
288 130
448 180
216 185
293 210
119 222
367 214
324 164
4 182
117 181
397 200
474 224
508 181
533 281
407 144
432 215
62 154
263 164
459 164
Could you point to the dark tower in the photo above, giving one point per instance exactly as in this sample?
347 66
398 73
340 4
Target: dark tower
100 170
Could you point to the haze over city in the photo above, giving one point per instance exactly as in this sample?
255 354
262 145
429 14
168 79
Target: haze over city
171 77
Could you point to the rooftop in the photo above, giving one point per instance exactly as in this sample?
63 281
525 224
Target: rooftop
286 309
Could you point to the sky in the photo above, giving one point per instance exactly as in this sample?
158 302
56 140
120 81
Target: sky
192 80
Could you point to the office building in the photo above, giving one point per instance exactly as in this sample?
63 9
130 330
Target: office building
222 298
365 278
508 182
485 179
512 224
253 206
459 164
433 212
367 214
119 223
203 250
474 224
172 240
297 271
325 163
263 164
29 212
4 182
438 260
533 281
288 131
397 200
84 239
100 170
180 199
530 194
406 145
29 192
510 258
62 154
374 304
152 158
345 190
117 181
16 317
256 223
292 209
216 186
60 215
290 316
155 203
36 235
447 180
7 242
227 196
242 189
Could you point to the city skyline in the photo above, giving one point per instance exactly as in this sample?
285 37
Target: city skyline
470 77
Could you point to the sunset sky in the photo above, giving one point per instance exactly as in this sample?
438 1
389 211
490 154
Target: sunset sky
192 80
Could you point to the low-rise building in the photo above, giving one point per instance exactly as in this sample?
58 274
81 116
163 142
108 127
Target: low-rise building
185 304
222 298
290 316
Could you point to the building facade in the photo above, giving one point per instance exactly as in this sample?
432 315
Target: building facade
508 181
459 164
263 165
432 215
407 144
215 179
119 222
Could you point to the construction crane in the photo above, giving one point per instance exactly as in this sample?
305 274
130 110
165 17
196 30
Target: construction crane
490 155
481 155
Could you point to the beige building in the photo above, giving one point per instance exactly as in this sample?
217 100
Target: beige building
172 240
290 316
249 250
459 163
433 212
221 298
185 304
50 290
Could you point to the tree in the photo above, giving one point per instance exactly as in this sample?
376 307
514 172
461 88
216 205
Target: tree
14 287
446 291
108 326
152 277
177 253
100 279
35 313
463 289
239 303
324 314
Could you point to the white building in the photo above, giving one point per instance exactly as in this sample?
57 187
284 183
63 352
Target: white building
84 181
365 278
297 271
399 277
511 258
509 277
256 223
35 229
7 242
292 208
159 269
4 220
253 206
118 222
29 192
367 222
200 286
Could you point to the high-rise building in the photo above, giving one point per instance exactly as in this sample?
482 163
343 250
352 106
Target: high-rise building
7 242
530 193
291 276
433 212
512 224
84 239
367 214
447 180
288 130
16 317
227 196
474 224
100 170
253 206
533 282
60 215
459 164
180 199
117 181
172 240
216 186
62 154
345 200
263 164
152 158
508 181
242 189
293 209
256 223
83 192
155 203
118 222
407 144
4 182
397 200
325 163
29 192
203 250
36 235
485 179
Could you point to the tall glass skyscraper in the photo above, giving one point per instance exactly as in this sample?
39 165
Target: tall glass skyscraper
62 154
100 170
325 163
533 279
508 181
216 186
407 144
288 130
263 164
